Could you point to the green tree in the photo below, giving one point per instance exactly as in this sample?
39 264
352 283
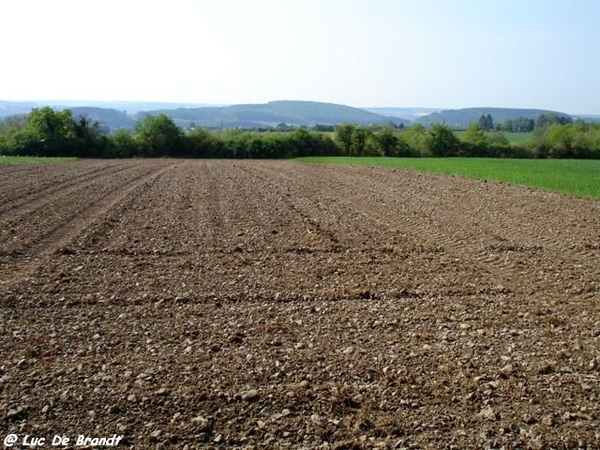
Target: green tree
9 128
475 135
486 122
5 145
443 141
523 124
202 144
122 145
507 125
489 123
88 141
417 138
560 141
46 133
388 142
343 135
360 142
552 140
482 122
159 136
552 119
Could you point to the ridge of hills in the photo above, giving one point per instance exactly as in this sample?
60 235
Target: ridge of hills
271 114
290 112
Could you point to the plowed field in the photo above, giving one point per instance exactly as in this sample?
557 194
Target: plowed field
183 304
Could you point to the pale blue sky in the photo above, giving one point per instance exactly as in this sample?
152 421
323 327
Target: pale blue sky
428 53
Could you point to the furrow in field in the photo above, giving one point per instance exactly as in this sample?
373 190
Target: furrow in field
74 218
293 223
17 181
24 177
51 212
315 198
468 232
215 227
35 197
148 222
502 234
426 218
345 233
502 229
393 253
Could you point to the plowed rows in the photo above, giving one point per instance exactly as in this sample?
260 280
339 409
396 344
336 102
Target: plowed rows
282 305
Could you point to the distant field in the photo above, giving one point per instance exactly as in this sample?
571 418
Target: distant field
513 138
574 177
31 160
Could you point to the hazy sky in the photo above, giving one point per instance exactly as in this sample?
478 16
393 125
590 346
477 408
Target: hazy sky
429 53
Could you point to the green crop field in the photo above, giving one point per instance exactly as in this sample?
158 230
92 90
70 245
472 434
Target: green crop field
573 177
31 160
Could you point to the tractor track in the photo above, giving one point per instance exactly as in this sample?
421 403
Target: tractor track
31 253
33 199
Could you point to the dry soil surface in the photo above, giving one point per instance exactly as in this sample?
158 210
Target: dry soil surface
186 304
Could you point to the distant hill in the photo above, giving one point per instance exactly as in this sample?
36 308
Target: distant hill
412 114
117 115
15 108
273 113
111 118
299 113
128 107
462 118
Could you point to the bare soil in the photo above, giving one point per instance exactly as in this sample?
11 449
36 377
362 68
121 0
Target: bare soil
186 304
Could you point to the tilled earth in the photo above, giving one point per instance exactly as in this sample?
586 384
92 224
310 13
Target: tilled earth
186 304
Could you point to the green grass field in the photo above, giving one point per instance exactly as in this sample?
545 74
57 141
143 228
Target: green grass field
32 160
573 177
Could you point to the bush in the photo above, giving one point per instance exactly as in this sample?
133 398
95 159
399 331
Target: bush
202 144
417 138
122 145
443 141
159 136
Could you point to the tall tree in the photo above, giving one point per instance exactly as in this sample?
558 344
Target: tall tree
388 142
343 134
443 141
489 123
486 122
482 122
360 135
159 136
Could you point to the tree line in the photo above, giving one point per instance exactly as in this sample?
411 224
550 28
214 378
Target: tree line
523 124
47 132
